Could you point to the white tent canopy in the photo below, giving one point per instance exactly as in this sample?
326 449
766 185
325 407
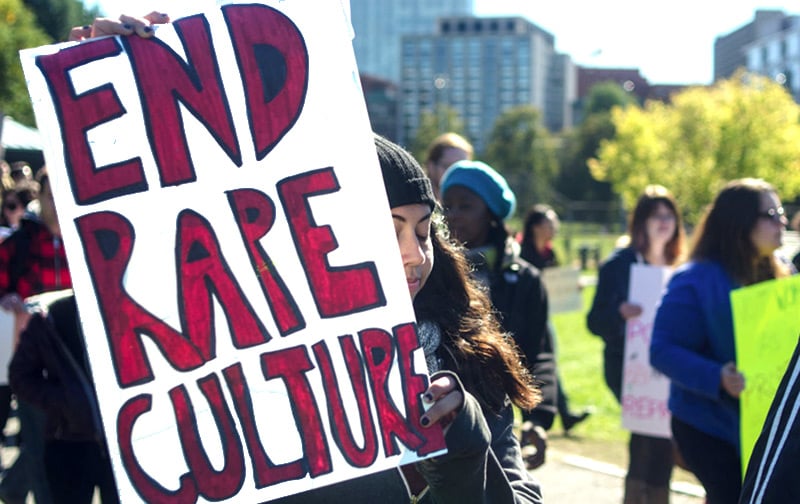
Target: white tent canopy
16 136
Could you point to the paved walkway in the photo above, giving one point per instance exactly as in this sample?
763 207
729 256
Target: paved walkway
568 479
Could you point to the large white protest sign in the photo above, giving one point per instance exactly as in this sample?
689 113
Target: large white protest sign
645 391
248 323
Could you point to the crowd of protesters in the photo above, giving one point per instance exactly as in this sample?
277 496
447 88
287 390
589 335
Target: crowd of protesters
491 347
735 245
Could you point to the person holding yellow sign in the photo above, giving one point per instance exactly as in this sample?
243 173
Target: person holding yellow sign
693 339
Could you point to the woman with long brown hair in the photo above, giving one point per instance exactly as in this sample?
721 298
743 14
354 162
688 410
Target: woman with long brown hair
693 342
656 237
476 369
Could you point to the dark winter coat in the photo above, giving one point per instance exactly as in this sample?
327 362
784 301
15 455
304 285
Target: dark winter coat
483 465
519 296
604 319
50 371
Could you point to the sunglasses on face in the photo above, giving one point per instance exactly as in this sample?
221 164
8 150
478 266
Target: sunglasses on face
775 214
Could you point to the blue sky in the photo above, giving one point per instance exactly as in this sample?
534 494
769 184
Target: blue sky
670 42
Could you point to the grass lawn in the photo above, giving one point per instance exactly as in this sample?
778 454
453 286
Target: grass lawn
580 361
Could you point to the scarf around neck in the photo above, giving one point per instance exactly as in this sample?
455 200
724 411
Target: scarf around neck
430 337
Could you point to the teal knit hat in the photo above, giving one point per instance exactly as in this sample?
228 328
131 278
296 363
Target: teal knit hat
484 181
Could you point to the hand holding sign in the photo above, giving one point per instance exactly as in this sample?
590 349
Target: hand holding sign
629 310
731 380
446 397
126 25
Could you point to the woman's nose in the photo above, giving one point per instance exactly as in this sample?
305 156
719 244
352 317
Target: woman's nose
411 250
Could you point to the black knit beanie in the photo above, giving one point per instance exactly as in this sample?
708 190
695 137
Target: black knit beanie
403 177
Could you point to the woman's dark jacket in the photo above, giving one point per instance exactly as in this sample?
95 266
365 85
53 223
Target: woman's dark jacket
604 319
519 296
50 370
483 465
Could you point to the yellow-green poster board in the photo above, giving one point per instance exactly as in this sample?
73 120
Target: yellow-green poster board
766 326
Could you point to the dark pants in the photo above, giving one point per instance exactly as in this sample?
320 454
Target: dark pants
27 473
75 468
5 408
562 401
612 371
715 462
651 460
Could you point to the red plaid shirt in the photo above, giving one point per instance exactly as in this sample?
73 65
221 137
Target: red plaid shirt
43 267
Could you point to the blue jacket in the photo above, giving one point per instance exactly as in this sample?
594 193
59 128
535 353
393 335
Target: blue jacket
692 340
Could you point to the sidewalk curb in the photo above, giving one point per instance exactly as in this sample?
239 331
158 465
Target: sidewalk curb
580 462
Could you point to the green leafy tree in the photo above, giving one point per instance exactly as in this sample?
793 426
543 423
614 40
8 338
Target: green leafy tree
57 17
524 151
18 30
604 96
575 181
746 126
433 123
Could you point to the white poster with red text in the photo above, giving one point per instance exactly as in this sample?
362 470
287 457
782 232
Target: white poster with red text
248 323
645 391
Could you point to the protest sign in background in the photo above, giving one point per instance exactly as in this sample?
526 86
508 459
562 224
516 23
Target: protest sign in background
7 331
645 391
766 327
563 289
248 323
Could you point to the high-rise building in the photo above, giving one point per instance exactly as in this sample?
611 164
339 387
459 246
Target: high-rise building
777 55
380 96
729 50
481 67
379 25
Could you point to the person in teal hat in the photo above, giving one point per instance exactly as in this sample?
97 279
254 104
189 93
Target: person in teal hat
477 201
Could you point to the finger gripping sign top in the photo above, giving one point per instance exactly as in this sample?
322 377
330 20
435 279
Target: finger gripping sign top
249 328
